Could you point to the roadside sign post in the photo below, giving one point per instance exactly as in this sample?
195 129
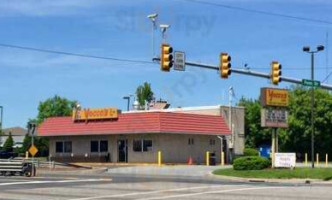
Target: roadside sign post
179 61
274 114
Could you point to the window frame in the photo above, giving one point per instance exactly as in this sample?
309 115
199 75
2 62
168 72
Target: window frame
100 145
95 149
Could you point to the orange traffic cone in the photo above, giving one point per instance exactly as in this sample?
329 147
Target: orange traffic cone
190 161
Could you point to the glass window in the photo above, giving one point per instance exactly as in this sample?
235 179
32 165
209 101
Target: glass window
212 142
68 147
137 145
103 146
190 141
147 145
94 146
59 147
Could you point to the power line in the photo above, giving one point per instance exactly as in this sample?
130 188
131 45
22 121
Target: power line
74 54
260 12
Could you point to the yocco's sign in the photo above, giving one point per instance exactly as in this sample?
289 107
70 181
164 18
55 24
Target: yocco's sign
274 97
286 160
96 113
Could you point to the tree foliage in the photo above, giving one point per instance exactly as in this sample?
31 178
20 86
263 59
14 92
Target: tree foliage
8 145
297 137
54 107
254 133
144 93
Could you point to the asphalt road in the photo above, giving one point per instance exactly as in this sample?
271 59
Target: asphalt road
120 186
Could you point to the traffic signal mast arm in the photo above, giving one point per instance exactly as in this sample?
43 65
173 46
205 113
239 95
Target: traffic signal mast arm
249 72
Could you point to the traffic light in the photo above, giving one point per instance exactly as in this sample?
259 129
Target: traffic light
276 72
166 60
225 65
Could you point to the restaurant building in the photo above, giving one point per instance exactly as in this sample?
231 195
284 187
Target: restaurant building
180 134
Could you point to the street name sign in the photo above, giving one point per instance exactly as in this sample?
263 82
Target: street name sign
310 83
179 61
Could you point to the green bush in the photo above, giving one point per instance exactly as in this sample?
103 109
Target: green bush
250 152
251 163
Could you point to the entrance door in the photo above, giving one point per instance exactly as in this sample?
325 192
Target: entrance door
122 150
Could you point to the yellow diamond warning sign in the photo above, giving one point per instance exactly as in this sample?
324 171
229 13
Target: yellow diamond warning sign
33 150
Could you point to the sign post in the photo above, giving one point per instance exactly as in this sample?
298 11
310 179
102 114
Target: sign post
274 114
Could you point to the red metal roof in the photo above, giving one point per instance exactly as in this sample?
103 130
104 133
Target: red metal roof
131 123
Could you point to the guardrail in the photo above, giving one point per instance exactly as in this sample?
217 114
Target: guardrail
12 167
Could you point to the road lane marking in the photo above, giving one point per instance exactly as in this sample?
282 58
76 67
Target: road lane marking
210 192
61 181
151 192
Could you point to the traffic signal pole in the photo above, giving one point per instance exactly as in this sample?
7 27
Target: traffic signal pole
249 73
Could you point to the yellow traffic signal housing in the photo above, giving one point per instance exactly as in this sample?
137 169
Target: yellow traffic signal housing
166 60
276 72
225 65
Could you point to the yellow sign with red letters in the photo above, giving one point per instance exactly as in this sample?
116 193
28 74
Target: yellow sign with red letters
95 113
274 97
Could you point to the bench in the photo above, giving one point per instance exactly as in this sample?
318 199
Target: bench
17 168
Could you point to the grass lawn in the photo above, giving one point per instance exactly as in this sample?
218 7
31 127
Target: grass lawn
316 173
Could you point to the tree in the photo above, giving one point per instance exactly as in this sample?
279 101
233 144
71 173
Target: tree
297 138
144 93
26 143
8 145
52 107
255 135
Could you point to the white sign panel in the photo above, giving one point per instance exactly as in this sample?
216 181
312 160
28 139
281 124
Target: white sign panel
179 61
276 118
286 160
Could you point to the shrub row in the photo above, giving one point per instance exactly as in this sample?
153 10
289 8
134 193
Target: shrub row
251 163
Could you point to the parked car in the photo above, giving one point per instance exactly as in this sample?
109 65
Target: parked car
6 154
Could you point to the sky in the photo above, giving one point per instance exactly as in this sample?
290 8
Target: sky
121 29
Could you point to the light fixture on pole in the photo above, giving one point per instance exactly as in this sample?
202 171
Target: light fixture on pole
307 49
153 18
128 101
163 28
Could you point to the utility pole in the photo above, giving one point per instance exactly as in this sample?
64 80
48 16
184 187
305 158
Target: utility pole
1 121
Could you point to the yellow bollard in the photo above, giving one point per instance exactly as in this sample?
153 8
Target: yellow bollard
306 159
222 158
326 160
207 158
26 155
317 159
159 158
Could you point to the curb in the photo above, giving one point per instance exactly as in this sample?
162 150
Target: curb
74 172
260 180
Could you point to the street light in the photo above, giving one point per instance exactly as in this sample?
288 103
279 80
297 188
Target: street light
1 120
128 100
163 28
1 116
307 49
153 18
